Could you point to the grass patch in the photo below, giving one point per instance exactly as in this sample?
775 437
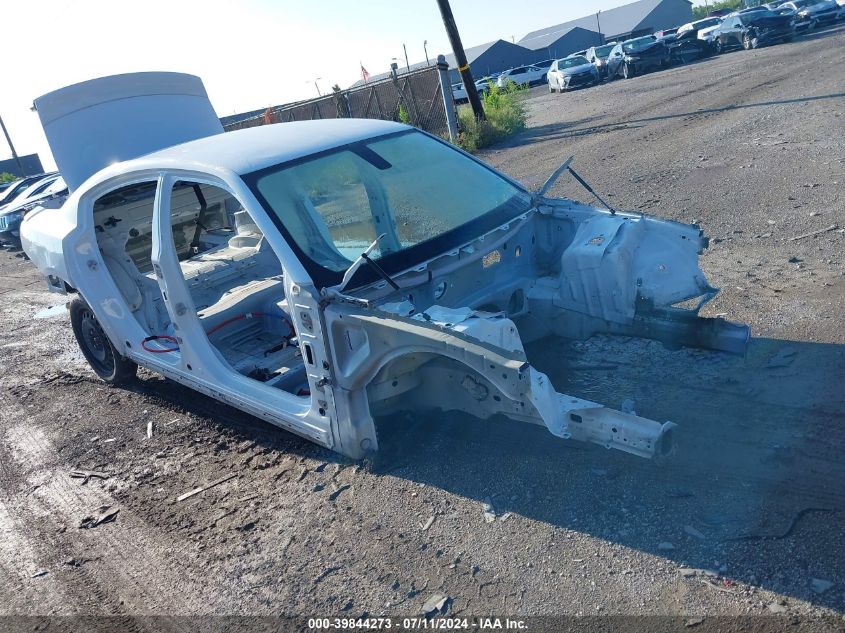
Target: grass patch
506 115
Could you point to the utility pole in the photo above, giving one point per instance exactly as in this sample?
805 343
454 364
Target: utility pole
407 65
598 23
461 58
12 147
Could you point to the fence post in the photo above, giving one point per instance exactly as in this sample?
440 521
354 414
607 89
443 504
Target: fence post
448 97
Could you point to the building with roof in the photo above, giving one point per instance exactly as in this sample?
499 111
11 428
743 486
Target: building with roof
31 164
485 59
631 20
554 44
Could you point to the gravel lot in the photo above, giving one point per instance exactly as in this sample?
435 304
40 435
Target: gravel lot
747 519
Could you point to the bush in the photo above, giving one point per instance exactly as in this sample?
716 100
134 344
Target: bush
505 112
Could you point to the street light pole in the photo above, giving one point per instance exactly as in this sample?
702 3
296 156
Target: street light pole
425 48
598 23
407 65
318 87
461 58
12 147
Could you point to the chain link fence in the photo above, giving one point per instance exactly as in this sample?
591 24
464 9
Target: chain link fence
415 98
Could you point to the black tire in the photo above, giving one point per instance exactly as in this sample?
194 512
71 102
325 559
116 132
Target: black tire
98 350
749 41
627 70
718 47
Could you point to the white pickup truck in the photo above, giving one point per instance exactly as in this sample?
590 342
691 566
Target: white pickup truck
318 274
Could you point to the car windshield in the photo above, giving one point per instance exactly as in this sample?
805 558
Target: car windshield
801 4
603 51
706 24
401 188
638 44
572 62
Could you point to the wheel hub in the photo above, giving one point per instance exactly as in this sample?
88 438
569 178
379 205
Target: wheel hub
94 337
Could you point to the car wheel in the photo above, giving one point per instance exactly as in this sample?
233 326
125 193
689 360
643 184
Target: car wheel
719 48
749 41
104 359
627 70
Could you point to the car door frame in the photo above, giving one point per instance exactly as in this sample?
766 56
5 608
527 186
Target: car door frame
313 417
613 72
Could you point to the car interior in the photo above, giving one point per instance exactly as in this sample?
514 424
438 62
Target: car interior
234 278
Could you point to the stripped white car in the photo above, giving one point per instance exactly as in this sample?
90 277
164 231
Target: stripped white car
319 274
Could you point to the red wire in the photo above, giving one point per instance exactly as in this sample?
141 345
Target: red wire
163 337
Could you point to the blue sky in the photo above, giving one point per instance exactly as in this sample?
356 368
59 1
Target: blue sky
249 53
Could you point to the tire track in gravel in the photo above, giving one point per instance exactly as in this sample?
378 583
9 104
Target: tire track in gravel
127 571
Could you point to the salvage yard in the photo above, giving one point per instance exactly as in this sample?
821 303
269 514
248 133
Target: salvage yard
493 517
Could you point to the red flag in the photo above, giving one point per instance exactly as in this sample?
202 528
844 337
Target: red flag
364 74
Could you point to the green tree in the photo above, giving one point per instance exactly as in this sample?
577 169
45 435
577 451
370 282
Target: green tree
7 177
703 10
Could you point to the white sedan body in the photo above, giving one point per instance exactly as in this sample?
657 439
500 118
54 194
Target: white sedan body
522 75
237 264
563 75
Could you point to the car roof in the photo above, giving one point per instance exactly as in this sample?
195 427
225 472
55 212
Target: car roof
251 149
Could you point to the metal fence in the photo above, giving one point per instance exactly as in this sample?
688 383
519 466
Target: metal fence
415 98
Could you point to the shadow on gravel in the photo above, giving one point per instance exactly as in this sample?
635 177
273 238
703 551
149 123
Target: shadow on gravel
559 131
753 493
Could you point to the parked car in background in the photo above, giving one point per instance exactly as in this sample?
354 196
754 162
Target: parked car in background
637 56
522 75
51 194
686 47
666 32
597 55
752 29
546 63
33 188
704 29
17 187
799 26
459 93
810 14
572 72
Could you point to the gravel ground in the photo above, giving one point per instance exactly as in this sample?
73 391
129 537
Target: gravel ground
498 518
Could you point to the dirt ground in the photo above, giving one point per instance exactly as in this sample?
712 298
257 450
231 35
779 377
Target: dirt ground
747 519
